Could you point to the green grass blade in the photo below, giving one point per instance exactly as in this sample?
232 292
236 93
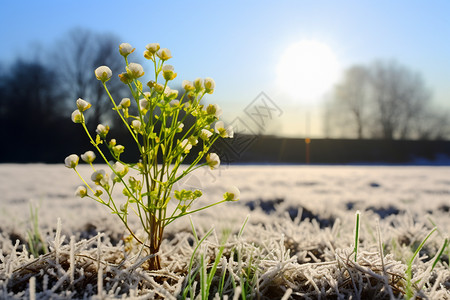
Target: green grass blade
243 291
356 234
438 256
203 278
222 282
422 244
191 261
241 231
409 290
214 267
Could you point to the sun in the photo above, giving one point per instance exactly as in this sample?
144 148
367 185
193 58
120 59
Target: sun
306 70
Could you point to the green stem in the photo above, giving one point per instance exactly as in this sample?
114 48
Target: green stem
171 219
104 157
123 119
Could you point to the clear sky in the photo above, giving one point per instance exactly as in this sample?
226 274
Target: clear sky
240 43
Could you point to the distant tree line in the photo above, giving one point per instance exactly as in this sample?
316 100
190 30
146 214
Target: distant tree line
37 97
384 100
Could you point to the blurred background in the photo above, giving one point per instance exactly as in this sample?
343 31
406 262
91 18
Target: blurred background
301 81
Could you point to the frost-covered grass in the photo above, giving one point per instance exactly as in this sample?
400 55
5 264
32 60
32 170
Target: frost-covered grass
298 241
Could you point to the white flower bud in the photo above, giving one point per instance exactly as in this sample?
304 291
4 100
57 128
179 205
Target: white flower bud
152 48
88 156
159 87
214 109
125 103
198 84
205 134
144 105
98 176
168 72
103 73
224 132
81 191
164 54
209 85
232 194
77 117
187 85
169 93
174 102
104 182
136 124
213 160
82 105
185 145
125 49
135 70
102 130
71 161
120 169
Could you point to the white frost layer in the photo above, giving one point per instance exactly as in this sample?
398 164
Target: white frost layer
409 200
321 189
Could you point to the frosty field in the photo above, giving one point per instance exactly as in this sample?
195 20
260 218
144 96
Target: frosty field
297 242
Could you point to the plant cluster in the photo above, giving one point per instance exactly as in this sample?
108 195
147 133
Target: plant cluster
155 117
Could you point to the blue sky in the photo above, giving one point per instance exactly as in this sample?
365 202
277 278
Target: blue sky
239 43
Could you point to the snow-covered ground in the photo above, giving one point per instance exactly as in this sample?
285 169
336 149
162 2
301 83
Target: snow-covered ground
324 190
407 200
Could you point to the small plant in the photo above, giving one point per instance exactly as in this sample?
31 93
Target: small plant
205 278
409 293
35 241
156 121
206 272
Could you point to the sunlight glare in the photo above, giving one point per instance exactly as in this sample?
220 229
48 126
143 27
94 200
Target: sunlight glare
307 69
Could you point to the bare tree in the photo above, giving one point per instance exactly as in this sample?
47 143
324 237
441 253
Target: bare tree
337 120
352 96
433 124
385 100
74 61
399 96
78 54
